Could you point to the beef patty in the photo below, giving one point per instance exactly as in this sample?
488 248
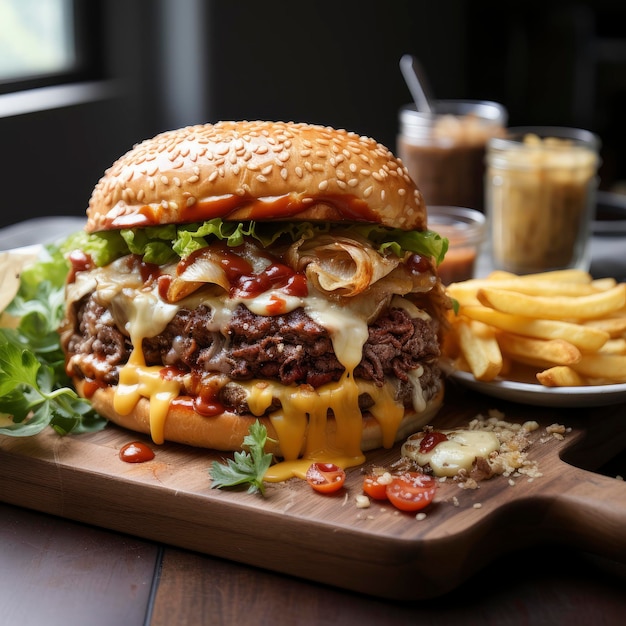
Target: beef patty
291 348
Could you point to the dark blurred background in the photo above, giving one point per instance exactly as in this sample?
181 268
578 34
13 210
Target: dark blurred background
152 65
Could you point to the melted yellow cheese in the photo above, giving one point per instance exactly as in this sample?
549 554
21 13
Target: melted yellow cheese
302 425
138 380
303 429
459 452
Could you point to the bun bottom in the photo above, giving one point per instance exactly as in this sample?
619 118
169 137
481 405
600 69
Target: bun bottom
226 432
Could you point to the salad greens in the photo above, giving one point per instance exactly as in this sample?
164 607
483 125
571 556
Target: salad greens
246 467
162 244
34 387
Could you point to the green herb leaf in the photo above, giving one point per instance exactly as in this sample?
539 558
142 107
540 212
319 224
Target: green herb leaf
35 390
246 467
28 394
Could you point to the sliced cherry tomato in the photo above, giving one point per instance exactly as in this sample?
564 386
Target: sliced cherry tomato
411 491
375 485
325 477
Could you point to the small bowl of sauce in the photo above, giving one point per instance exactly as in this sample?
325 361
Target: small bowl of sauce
466 230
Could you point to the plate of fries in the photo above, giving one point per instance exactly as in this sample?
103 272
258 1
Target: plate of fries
553 339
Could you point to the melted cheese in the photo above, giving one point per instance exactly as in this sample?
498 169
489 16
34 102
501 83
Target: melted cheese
459 452
138 380
302 422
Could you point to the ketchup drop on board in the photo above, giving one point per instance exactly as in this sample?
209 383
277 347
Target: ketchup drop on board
136 452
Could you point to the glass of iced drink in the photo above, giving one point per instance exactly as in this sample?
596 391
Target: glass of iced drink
444 150
540 190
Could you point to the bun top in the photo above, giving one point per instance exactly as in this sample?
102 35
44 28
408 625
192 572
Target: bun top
256 171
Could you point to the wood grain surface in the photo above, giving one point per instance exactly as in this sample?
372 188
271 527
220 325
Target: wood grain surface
294 531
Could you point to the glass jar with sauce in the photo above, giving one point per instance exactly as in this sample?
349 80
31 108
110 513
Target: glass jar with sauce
444 150
540 195
465 230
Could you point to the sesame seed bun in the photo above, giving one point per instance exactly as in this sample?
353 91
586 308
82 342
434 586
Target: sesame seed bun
256 171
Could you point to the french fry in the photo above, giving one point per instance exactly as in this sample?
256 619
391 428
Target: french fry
560 376
598 304
534 287
529 350
479 348
562 328
568 276
586 338
603 366
614 326
602 284
614 346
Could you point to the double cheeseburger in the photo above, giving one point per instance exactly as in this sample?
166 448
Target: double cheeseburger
257 270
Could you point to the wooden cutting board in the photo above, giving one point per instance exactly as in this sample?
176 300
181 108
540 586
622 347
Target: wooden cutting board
378 550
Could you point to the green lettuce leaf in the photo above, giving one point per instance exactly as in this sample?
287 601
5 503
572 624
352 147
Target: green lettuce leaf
162 244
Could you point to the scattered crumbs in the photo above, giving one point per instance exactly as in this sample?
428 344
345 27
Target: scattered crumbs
512 459
420 516
455 501
345 500
362 502
477 505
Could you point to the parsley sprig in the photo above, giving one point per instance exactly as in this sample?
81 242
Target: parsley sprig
248 466
35 391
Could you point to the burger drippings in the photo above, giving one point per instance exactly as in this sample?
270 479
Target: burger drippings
129 295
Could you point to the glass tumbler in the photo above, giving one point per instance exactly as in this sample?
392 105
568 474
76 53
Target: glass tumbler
540 188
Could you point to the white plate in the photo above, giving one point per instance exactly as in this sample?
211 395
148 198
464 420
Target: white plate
538 395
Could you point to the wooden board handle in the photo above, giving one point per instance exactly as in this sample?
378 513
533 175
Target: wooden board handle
588 510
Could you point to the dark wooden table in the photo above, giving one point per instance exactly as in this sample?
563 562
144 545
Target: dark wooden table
58 572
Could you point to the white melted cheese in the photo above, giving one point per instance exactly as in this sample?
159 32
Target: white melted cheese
458 452
301 423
